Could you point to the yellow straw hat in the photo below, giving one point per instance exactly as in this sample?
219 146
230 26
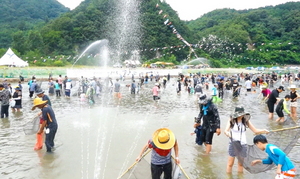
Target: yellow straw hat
164 138
37 102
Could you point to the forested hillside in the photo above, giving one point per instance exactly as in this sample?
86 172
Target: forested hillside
21 15
268 35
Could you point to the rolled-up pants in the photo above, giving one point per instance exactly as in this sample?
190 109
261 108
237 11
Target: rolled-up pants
49 142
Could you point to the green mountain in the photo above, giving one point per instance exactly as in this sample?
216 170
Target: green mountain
266 35
20 15
93 20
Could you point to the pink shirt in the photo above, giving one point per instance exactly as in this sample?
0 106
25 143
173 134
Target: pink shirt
266 92
155 90
59 80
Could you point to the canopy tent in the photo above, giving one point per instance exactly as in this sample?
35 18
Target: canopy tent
11 59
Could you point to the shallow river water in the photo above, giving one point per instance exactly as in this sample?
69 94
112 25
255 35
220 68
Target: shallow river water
103 141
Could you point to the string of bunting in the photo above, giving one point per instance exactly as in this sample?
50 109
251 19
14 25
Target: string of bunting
170 25
210 47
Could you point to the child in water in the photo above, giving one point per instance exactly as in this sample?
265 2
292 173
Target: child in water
282 105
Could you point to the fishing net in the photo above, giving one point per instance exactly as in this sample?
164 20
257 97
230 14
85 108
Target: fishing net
32 126
285 139
138 171
142 170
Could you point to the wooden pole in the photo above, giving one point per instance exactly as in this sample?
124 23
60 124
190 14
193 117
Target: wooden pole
278 130
182 169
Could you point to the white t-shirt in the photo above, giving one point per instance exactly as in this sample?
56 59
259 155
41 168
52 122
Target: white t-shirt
238 132
248 84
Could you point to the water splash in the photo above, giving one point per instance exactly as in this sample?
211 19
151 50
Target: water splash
100 44
198 61
127 25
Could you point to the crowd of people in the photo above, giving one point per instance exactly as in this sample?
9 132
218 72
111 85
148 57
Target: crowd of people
208 121
205 87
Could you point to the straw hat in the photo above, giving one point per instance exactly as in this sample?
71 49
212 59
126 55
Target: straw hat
292 87
164 138
239 111
38 102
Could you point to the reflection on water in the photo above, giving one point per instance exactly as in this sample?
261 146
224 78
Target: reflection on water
102 141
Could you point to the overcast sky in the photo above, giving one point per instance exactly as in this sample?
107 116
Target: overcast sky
192 9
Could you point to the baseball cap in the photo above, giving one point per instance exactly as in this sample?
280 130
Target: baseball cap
281 88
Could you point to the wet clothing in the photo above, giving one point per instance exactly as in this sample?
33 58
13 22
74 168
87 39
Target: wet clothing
282 105
235 85
51 126
18 98
4 98
32 89
221 89
57 87
198 131
210 121
45 97
277 156
133 86
272 100
293 96
51 88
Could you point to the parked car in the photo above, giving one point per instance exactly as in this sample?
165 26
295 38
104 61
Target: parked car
249 68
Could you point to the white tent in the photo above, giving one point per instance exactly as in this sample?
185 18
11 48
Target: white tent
11 59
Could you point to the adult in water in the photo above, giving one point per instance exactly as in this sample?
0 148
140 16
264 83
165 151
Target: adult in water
210 121
294 96
162 142
273 99
49 122
236 131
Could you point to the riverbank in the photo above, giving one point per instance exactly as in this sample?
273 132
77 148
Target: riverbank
43 73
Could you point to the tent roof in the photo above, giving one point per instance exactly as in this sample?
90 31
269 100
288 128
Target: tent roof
10 58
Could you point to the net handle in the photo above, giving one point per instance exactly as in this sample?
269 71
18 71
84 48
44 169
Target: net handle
278 130
181 169
134 163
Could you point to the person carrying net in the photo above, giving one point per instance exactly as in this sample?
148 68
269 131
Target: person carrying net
236 131
285 167
162 142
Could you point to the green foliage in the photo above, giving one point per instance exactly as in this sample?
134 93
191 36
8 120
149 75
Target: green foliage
20 15
58 63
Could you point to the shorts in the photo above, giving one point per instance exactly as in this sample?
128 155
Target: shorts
294 104
279 113
156 98
233 153
288 174
207 136
270 107
249 90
